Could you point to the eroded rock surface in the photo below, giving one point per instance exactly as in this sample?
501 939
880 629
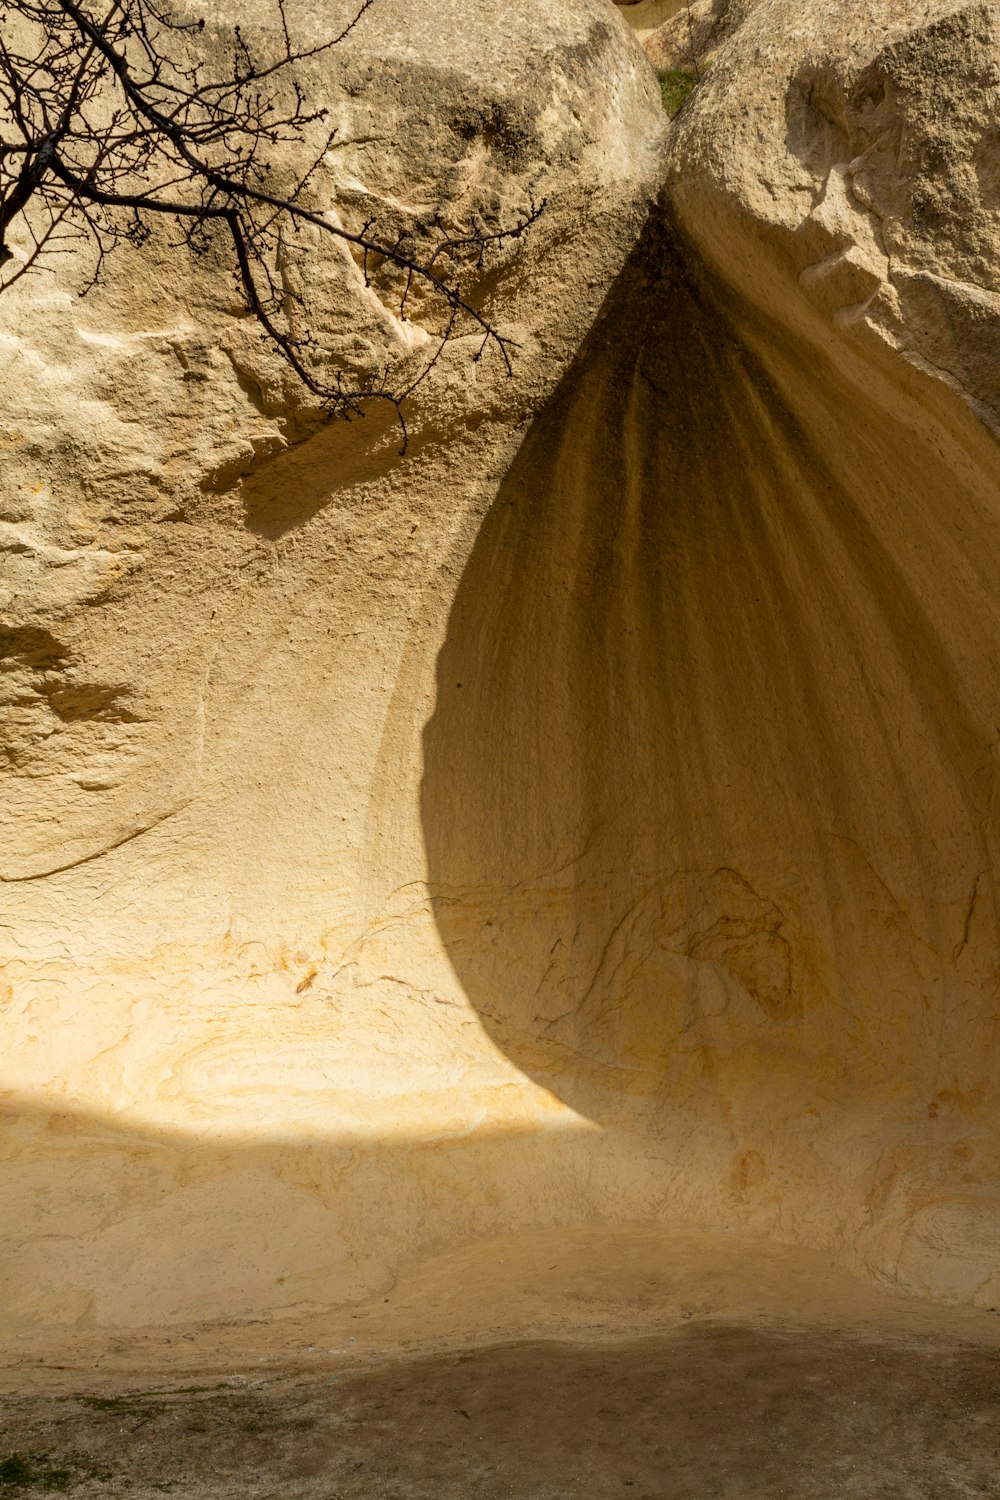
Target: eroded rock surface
588 817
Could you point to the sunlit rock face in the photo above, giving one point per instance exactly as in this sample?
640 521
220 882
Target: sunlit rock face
586 817
647 16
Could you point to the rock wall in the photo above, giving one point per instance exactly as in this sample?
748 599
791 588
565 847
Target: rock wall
585 818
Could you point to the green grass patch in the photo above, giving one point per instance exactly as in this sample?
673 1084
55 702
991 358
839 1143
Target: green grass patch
23 1471
136 1402
676 87
197 1390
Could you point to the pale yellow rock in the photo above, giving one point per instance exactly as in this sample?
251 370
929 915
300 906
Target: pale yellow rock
647 16
686 38
587 819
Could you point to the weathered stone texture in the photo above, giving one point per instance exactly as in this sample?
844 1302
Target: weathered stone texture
588 817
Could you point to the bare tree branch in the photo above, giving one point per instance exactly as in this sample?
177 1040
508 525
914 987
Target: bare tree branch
110 121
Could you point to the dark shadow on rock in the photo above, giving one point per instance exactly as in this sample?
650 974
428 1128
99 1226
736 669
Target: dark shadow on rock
284 490
706 794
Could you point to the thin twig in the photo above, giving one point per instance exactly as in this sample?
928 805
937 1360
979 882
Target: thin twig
107 125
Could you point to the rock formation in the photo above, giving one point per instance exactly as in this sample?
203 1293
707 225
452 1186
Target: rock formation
586 818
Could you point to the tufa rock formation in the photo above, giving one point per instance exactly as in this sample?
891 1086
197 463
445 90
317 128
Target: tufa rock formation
588 818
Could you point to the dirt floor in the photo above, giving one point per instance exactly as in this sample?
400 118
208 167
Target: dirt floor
558 1366
710 1412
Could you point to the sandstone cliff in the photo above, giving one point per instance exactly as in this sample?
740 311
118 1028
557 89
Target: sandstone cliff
586 818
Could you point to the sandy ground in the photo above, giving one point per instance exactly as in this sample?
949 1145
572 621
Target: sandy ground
592 1365
712 1412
